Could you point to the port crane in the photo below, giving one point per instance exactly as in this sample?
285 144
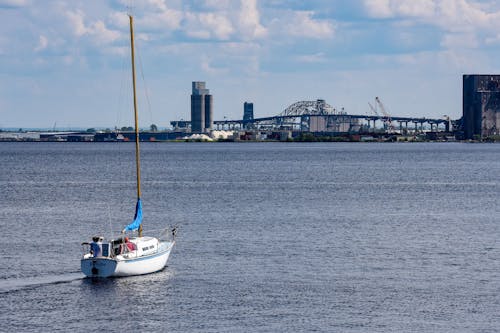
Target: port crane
374 109
387 116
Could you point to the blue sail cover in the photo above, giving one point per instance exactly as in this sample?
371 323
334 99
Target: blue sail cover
137 218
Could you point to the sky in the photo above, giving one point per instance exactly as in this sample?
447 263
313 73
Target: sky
67 63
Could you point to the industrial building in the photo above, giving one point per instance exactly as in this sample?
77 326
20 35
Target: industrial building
247 114
201 108
481 106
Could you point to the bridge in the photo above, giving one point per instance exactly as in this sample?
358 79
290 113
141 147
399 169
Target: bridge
318 116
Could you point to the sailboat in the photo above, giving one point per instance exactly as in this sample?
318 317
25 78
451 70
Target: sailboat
128 254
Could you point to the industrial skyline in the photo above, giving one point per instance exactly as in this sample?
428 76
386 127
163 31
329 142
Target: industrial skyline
65 67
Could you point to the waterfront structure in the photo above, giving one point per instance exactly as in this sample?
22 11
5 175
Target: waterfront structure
247 113
320 117
481 106
201 108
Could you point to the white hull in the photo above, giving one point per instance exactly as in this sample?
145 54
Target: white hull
102 267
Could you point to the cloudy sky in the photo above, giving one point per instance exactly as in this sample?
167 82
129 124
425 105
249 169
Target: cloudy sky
66 63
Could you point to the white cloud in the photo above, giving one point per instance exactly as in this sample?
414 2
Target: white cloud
119 19
149 14
391 8
219 24
378 8
226 20
101 34
76 22
303 24
97 31
459 41
421 8
157 4
450 15
166 19
319 57
219 4
446 62
144 5
208 25
198 33
43 42
208 68
464 23
249 20
458 15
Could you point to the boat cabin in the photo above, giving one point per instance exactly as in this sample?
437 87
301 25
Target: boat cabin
122 246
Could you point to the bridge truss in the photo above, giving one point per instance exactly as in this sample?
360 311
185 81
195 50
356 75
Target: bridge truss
319 116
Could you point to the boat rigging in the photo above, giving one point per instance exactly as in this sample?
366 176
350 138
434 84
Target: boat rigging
128 255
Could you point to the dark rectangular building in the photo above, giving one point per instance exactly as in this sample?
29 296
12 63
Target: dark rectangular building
247 111
201 108
481 106
247 115
197 113
209 116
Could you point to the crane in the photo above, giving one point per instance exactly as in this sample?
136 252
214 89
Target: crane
387 116
374 109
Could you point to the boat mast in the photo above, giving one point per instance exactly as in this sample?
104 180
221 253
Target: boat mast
137 153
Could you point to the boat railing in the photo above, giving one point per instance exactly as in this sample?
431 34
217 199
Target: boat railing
105 250
165 234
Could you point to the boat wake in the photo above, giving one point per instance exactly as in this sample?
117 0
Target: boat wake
14 284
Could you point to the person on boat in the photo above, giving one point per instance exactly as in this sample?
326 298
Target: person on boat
96 246
130 246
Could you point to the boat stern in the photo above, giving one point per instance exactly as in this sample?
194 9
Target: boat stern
98 267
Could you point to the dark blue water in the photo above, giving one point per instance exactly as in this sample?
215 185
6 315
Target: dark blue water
273 237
